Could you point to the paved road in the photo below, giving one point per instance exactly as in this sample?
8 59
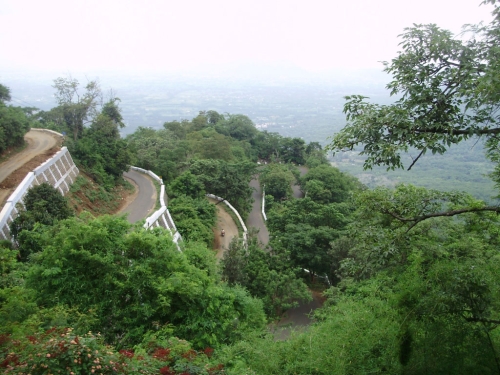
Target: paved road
144 204
38 142
255 218
297 193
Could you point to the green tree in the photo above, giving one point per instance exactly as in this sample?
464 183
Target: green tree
43 205
214 117
179 129
448 92
187 184
208 144
226 180
267 145
101 150
277 179
265 275
239 127
304 229
194 218
293 151
328 184
135 281
77 108
13 126
158 150
4 94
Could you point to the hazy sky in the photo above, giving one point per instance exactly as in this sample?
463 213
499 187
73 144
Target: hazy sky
78 35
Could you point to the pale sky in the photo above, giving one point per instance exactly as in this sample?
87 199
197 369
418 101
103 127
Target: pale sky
166 35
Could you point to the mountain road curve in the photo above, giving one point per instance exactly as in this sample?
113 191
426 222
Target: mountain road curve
144 200
37 143
255 218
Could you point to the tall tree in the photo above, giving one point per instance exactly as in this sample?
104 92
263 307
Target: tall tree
448 91
4 94
78 108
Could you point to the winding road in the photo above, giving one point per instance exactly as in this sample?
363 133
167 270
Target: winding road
145 197
255 218
38 143
142 204
226 222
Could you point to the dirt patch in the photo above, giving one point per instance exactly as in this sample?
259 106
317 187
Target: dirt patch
86 195
19 174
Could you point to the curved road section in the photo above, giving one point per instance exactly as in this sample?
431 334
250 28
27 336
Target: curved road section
144 203
38 142
255 218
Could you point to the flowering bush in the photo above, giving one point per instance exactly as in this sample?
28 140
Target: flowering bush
60 351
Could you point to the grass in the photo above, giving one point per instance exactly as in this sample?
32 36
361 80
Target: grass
86 195
158 190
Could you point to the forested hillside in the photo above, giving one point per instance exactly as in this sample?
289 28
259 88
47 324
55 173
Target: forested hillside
410 275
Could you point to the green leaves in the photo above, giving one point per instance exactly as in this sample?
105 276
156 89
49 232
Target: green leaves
436 78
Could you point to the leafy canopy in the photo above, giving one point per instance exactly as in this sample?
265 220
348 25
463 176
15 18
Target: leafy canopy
447 88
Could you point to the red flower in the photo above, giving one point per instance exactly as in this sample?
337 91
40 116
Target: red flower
161 353
166 371
190 354
11 358
129 353
32 339
208 352
216 369
4 339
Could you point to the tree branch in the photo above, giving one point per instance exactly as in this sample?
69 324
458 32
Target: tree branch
418 219
455 131
415 160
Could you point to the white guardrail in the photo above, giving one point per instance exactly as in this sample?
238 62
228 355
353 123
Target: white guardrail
161 217
59 171
245 231
264 203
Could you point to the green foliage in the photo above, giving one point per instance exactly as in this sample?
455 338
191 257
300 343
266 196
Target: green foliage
76 108
277 180
447 88
239 127
187 184
194 218
61 350
208 144
265 275
14 124
4 94
304 229
104 155
326 184
226 180
132 282
158 150
44 205
354 337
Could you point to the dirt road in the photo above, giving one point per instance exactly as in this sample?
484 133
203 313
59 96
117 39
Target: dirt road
226 222
38 143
